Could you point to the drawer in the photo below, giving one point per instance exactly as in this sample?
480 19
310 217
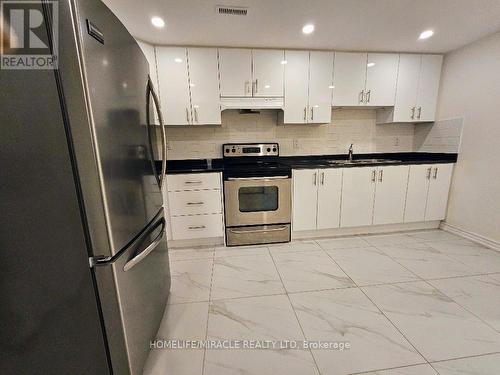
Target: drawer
195 202
199 226
193 181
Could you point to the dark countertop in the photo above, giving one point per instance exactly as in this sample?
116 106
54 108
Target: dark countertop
316 161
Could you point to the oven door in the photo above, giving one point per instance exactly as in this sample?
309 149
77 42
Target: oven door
257 200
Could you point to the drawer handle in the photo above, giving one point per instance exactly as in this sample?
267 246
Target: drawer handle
195 203
278 229
194 227
193 182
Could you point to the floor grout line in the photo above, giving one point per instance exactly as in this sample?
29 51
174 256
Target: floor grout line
208 313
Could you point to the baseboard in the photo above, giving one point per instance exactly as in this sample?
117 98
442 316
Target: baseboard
213 241
371 229
495 245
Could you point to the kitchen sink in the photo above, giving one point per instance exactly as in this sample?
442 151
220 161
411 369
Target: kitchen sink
361 161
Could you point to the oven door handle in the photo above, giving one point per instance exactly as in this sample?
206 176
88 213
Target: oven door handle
279 229
257 178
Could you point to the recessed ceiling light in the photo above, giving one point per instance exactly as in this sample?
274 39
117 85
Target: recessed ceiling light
426 34
178 60
283 62
331 87
370 64
158 22
267 86
308 29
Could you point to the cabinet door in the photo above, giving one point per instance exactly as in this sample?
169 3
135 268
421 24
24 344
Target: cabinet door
268 72
204 85
235 72
439 188
416 194
390 195
329 194
320 87
296 87
428 87
381 77
305 199
149 52
349 78
358 192
407 87
174 85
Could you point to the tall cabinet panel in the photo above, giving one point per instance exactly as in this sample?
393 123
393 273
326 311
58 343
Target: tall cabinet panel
235 72
320 87
296 87
268 72
174 85
349 77
204 86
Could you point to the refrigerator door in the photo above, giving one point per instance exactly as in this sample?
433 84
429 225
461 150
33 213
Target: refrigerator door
141 275
116 75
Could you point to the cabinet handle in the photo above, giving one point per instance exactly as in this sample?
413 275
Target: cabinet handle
322 178
192 182
435 173
196 114
187 115
361 96
315 178
380 175
419 112
256 85
194 203
368 96
305 114
247 87
374 175
312 113
412 113
197 227
429 172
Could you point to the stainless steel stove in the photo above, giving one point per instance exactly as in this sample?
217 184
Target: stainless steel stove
257 194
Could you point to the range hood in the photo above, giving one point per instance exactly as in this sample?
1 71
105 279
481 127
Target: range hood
252 102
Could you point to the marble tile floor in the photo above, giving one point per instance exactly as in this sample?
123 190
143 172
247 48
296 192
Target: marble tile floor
414 303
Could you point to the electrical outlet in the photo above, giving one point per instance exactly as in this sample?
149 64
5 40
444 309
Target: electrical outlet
295 144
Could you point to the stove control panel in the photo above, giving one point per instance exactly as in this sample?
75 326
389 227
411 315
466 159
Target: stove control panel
231 150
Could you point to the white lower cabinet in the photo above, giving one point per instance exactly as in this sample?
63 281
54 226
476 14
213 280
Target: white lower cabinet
427 194
390 194
316 198
358 193
195 205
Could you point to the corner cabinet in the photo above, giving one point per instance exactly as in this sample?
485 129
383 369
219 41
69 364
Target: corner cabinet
364 79
308 87
189 85
416 90
316 198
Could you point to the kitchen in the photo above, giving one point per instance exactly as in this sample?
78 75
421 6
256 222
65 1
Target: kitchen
312 188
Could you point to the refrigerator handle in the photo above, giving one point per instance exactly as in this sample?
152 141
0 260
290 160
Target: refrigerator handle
144 253
151 93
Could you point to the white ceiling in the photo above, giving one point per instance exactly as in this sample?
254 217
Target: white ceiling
375 25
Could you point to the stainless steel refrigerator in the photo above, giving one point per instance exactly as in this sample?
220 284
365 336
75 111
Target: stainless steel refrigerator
84 272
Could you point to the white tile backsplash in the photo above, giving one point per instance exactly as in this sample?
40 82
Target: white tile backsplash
440 136
348 126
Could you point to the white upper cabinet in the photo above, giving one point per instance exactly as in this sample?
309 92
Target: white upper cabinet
268 72
416 91
407 87
381 76
204 86
174 85
430 74
349 78
390 194
320 87
235 67
296 87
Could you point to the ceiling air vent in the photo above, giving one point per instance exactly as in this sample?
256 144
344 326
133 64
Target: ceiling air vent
231 11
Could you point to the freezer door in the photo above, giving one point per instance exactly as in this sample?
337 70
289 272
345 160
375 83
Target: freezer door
134 290
115 73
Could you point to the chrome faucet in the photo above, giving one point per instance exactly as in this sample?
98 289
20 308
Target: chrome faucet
350 151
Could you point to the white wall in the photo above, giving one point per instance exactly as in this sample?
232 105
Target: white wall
470 88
